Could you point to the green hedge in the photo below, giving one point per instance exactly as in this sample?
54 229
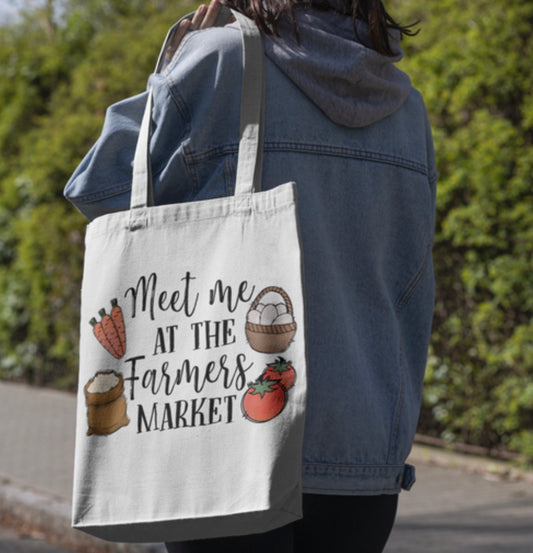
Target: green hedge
57 76
472 61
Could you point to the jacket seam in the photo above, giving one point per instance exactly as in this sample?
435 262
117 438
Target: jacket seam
400 303
180 104
229 177
336 490
405 296
183 108
191 158
217 151
398 409
352 466
192 172
115 190
349 153
339 151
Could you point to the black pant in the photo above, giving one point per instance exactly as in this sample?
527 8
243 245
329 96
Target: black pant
331 524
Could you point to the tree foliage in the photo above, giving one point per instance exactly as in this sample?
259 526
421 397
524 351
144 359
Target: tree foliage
472 61
57 76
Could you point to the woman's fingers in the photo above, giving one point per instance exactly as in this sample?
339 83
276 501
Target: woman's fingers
179 35
198 17
203 18
211 14
206 16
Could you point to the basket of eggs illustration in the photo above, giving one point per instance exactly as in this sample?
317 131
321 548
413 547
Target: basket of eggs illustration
270 327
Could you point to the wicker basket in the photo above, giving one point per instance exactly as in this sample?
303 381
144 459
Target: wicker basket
106 411
271 338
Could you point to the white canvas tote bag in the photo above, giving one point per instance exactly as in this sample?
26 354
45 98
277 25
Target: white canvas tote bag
192 378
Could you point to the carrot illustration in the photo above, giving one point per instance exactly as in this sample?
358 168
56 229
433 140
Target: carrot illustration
99 332
111 333
118 319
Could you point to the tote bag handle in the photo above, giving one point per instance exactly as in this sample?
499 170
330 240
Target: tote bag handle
249 162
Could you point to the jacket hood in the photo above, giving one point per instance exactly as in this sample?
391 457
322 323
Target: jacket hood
349 81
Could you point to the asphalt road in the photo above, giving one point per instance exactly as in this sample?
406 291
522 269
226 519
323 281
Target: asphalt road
449 510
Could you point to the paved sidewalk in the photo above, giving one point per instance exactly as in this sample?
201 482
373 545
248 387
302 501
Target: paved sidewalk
37 429
450 509
16 541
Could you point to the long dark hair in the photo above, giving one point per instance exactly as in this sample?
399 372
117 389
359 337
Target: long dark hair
266 14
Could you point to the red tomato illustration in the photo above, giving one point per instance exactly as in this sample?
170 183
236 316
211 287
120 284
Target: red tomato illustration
263 401
280 371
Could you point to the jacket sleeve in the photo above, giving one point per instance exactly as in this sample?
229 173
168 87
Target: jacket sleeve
102 182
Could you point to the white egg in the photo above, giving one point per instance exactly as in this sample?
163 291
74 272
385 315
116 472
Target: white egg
254 317
268 314
283 319
282 308
259 307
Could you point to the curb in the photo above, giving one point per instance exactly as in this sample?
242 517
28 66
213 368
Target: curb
51 515
476 464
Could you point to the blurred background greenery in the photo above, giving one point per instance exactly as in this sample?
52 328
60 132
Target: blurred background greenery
62 62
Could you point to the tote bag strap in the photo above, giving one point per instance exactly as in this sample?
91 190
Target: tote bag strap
249 163
250 159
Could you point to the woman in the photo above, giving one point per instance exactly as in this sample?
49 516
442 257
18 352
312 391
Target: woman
345 124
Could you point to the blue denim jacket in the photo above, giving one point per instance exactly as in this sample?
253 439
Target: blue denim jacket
366 202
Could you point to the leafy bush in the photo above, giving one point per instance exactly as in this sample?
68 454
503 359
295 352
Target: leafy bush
57 76
472 61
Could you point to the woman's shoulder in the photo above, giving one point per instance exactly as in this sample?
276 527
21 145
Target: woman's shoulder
209 50
203 81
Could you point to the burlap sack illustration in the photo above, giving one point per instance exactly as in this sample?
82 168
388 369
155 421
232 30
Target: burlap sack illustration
106 404
270 327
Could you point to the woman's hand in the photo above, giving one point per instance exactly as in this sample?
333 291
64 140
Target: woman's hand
204 17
